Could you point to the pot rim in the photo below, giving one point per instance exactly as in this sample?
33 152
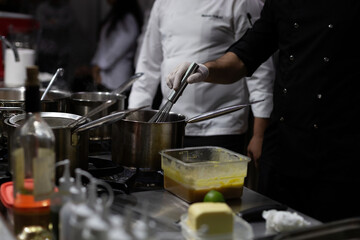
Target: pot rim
65 94
76 96
181 118
12 121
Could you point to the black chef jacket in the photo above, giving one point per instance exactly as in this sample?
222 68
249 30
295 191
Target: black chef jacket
317 89
314 132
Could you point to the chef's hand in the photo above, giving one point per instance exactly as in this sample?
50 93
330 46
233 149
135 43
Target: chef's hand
254 149
174 79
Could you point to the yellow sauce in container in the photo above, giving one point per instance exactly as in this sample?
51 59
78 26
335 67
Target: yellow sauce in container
190 173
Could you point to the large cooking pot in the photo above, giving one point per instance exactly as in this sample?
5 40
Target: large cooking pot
67 146
55 100
70 142
12 101
137 143
83 102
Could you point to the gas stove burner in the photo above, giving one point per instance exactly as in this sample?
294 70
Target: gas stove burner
124 179
101 167
98 146
148 180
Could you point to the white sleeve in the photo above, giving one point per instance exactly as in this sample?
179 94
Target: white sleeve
260 86
149 62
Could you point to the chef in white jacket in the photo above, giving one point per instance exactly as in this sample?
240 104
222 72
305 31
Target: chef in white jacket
202 30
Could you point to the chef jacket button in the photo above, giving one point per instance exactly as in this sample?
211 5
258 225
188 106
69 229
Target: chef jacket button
291 57
319 96
282 119
296 25
284 90
315 126
326 59
330 26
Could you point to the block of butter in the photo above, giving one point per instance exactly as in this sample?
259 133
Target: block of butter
217 217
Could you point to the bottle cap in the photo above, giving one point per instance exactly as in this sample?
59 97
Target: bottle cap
65 181
32 76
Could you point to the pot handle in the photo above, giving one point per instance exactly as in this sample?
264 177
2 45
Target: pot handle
106 120
92 113
108 103
219 112
128 83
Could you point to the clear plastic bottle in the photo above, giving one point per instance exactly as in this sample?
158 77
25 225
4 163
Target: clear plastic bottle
82 211
97 225
77 198
60 197
143 228
117 230
32 161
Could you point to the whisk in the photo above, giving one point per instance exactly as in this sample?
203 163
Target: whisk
163 113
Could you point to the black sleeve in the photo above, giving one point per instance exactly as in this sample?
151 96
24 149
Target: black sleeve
259 42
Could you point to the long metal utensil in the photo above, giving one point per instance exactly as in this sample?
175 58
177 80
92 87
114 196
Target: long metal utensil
219 112
60 72
108 103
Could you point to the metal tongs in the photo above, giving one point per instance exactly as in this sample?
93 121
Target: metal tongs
174 95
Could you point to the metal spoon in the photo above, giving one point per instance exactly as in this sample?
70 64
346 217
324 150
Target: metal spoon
59 71
107 119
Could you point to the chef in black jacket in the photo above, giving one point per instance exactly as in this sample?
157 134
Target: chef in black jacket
311 151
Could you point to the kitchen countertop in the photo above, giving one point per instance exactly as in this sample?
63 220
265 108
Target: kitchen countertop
165 209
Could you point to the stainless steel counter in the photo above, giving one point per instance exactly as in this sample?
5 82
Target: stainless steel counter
166 209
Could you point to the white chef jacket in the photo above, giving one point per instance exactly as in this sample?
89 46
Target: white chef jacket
115 53
200 31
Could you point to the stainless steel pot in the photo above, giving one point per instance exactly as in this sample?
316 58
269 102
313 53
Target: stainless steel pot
12 101
65 146
55 100
70 142
137 142
84 102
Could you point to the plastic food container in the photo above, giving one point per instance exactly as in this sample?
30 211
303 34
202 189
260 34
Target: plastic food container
190 173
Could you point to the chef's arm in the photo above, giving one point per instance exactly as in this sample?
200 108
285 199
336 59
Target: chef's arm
226 69
255 145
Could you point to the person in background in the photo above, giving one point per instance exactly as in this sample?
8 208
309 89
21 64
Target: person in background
310 159
202 30
112 63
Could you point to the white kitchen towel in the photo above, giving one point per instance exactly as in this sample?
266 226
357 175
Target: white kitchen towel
283 221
